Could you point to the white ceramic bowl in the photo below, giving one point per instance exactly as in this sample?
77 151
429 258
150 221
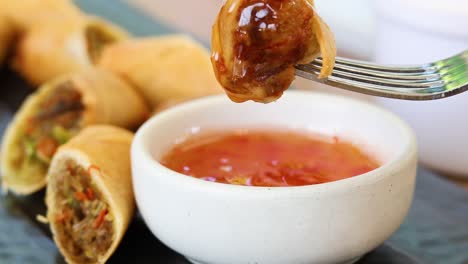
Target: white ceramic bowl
336 222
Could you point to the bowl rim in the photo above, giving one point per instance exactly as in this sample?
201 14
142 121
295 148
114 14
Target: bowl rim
400 161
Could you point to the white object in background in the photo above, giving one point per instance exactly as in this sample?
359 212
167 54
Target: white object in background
419 31
351 21
335 222
192 16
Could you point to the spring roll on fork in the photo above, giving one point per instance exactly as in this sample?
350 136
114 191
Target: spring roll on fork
256 44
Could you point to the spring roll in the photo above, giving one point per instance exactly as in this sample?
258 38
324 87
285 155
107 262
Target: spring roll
89 194
257 43
7 35
163 68
56 113
49 50
27 13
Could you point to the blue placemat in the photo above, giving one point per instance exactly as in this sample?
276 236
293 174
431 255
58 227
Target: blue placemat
436 230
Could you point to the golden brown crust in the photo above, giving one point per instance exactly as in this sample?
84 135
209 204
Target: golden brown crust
14 178
27 13
256 44
163 68
327 44
107 100
51 49
107 150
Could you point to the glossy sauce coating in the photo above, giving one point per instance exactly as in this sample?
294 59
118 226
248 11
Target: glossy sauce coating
270 159
256 44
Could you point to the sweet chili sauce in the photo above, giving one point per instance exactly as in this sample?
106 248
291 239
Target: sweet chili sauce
269 159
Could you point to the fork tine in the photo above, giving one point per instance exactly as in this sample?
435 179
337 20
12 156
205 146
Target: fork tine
456 78
389 75
410 70
436 72
375 80
424 82
382 90
454 68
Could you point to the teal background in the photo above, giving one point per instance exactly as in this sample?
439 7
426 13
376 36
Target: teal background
126 16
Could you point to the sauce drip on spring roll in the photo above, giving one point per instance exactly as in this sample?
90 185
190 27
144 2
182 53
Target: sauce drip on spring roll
256 44
56 121
82 216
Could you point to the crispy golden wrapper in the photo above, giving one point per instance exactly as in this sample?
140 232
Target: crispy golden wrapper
104 99
28 13
173 67
256 44
104 151
52 49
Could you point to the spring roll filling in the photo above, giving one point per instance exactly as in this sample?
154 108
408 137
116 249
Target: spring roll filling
57 119
82 218
97 39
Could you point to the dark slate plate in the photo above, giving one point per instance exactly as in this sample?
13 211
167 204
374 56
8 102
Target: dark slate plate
24 240
436 230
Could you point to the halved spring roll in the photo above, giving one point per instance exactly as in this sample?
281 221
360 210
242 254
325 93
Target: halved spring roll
49 50
89 194
56 113
163 68
27 13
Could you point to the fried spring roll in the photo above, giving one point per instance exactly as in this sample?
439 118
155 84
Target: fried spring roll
49 50
163 68
89 194
27 13
56 113
257 43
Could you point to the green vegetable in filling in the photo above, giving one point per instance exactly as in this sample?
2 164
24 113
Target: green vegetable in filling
61 135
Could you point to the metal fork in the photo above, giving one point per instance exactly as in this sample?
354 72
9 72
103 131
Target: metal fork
430 81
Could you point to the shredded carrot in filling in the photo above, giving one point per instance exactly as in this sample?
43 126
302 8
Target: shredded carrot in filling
93 168
100 219
90 193
56 121
80 196
83 220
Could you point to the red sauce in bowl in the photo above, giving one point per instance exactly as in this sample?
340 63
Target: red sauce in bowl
269 159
